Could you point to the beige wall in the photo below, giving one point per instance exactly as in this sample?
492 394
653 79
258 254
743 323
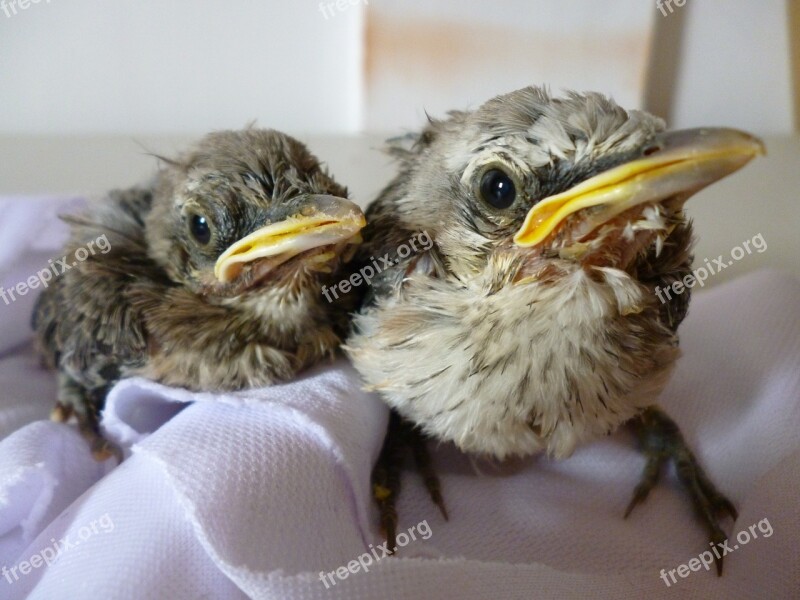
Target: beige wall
435 56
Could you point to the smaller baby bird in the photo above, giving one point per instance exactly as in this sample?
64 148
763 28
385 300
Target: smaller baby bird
211 281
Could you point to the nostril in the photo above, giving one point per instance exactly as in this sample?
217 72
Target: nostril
650 150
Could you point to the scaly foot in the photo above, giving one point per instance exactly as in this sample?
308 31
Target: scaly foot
661 440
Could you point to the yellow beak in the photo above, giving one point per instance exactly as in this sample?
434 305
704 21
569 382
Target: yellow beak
321 221
677 165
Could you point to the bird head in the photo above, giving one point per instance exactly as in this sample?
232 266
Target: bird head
249 208
543 185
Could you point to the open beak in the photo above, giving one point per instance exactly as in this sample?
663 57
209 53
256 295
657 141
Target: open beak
675 165
320 220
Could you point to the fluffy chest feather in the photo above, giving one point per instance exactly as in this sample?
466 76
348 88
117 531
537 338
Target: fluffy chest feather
529 367
248 341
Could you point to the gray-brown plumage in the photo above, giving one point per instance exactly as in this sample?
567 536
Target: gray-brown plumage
211 279
532 323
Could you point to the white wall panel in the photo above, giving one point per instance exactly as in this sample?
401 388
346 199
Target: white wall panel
90 66
734 66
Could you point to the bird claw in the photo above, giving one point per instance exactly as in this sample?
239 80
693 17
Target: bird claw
100 447
61 413
661 440
708 502
102 450
650 477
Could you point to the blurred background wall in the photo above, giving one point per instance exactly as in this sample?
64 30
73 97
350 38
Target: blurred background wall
349 66
89 89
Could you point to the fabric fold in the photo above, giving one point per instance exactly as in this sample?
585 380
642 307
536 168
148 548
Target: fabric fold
266 493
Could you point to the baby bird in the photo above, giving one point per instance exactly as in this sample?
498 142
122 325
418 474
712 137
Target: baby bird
533 324
209 278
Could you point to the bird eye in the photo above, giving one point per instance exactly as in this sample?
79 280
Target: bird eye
199 228
497 189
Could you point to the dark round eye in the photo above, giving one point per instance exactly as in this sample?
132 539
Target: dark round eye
497 189
199 228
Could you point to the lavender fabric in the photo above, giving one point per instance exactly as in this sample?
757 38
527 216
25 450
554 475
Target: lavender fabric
265 493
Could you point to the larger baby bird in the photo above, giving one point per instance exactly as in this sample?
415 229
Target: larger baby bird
532 323
212 280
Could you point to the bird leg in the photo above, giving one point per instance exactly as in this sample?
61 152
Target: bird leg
101 448
661 440
422 459
74 400
400 437
386 478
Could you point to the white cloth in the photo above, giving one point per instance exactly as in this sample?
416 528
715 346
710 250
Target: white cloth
252 494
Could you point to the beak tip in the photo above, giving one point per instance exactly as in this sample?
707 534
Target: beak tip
326 220
707 155
755 145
